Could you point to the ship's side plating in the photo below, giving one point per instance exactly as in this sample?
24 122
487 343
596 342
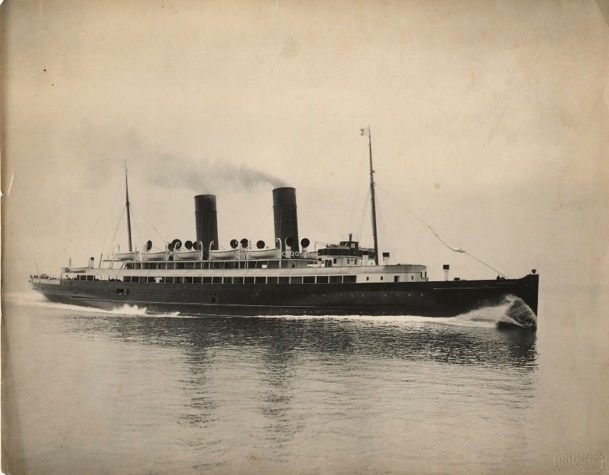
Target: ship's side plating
337 295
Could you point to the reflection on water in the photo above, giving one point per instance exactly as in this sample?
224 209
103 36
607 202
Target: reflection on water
281 338
272 395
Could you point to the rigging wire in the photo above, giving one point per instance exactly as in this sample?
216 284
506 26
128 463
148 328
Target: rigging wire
460 249
117 225
110 218
137 228
364 215
484 263
423 193
454 249
150 224
356 195
383 231
446 215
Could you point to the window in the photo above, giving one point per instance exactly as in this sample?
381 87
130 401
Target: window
322 280
296 280
349 279
272 280
336 279
260 280
396 278
284 280
249 280
309 280
237 280
216 280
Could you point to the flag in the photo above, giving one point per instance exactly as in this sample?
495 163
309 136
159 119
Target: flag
365 132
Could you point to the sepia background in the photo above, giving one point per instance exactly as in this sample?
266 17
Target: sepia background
489 122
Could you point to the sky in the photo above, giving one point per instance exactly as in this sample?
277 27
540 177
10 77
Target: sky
489 126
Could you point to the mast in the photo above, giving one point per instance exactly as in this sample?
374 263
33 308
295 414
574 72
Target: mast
373 199
128 208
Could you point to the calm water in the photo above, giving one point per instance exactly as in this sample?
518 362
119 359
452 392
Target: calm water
124 392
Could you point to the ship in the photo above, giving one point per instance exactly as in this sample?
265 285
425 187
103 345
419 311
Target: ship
287 278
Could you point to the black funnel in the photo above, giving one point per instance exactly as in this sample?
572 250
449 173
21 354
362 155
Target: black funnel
206 221
286 219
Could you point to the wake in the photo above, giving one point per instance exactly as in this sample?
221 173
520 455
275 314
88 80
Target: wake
511 312
34 299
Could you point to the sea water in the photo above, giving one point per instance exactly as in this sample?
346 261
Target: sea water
125 392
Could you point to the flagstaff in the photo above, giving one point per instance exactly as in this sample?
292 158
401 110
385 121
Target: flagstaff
367 131
128 208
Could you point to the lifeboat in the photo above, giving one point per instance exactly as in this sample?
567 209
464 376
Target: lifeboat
125 256
193 255
155 256
224 254
264 253
76 270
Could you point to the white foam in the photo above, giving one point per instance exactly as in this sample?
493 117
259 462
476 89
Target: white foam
484 317
34 299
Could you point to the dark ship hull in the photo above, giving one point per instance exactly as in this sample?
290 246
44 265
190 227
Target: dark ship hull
426 298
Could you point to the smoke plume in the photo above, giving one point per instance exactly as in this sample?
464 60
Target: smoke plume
100 146
205 176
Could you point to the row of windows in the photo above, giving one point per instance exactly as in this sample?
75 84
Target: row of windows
333 279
